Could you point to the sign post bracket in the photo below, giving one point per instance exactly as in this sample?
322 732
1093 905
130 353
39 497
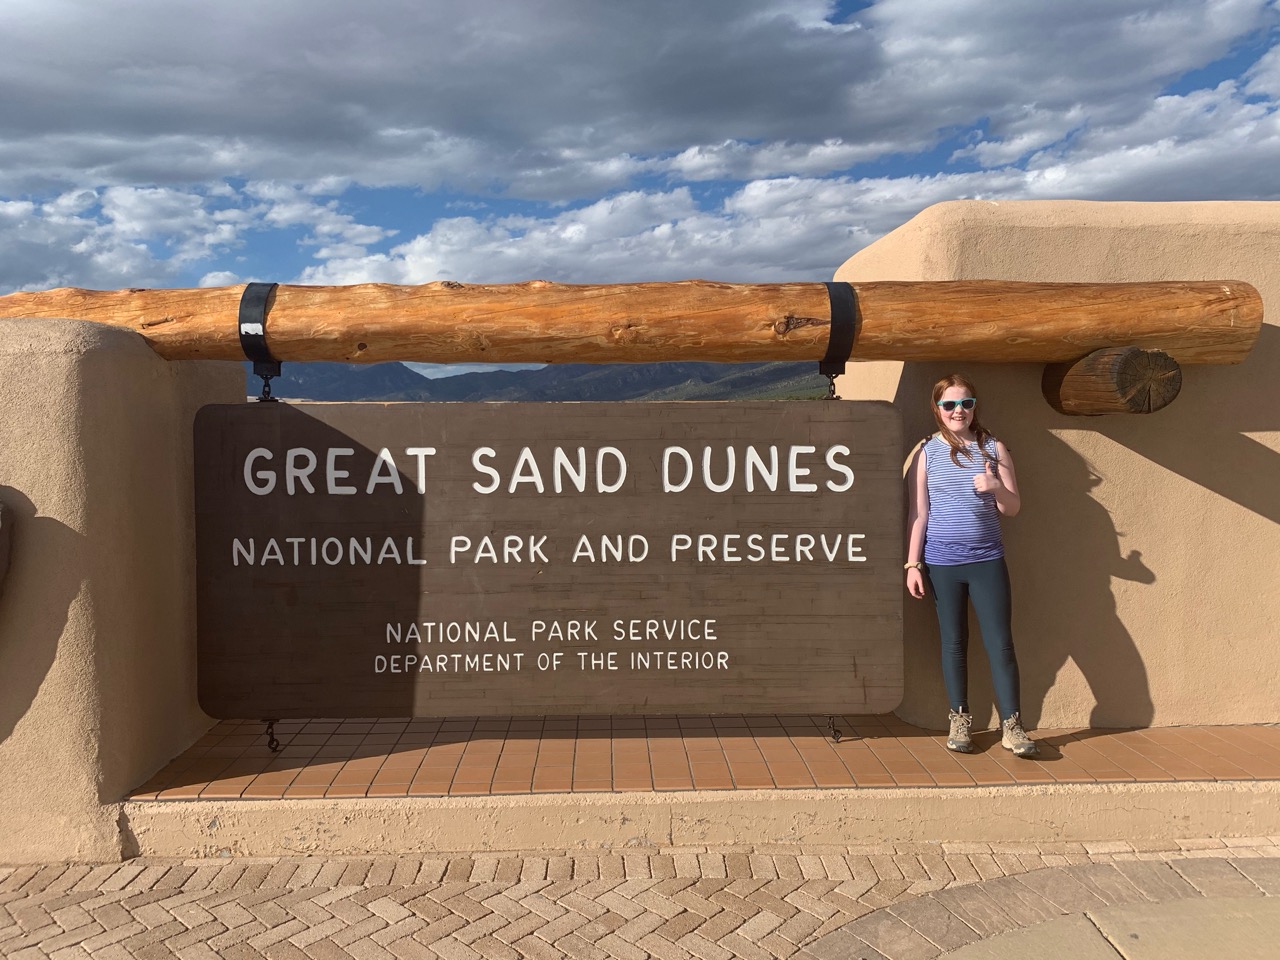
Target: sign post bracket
843 332
253 334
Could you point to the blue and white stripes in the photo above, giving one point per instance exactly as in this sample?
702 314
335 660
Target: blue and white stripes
964 525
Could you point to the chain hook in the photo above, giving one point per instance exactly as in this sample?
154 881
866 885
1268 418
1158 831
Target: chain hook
266 390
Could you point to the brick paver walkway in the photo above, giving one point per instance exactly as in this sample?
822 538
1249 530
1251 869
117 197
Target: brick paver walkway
903 902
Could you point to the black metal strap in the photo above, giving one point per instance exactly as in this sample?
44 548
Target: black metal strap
253 333
844 328
253 322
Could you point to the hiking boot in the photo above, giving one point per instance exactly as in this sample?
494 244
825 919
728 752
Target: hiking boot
1013 737
958 739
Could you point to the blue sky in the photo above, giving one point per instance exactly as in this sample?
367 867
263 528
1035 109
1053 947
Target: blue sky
147 143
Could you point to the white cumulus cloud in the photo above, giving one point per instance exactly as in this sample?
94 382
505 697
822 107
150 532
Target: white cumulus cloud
143 142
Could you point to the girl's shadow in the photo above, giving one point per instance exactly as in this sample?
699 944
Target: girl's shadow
1075 616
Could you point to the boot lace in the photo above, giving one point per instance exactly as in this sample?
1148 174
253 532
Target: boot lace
1013 729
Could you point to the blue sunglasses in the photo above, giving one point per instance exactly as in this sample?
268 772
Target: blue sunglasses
968 403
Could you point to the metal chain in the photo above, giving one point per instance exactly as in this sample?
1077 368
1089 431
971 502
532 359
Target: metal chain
832 729
272 743
266 390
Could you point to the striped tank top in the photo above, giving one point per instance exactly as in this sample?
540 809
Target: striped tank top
964 525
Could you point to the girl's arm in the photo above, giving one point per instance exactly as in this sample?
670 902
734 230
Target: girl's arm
917 520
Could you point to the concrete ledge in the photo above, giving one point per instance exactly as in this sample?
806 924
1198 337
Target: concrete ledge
1061 812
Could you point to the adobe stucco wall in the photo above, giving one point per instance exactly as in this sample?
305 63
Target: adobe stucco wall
97 622
1146 558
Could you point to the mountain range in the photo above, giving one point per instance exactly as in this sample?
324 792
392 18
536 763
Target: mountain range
564 382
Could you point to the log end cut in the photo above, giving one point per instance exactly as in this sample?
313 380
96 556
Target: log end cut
1113 380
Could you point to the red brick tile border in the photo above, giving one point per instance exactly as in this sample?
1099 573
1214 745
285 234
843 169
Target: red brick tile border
503 755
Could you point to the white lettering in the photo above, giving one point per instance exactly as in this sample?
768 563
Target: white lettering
295 474
526 471
331 559
238 550
485 468
420 454
667 454
730 470
365 553
266 479
754 465
560 464
408 552
795 471
839 449
384 471
616 454
333 474
583 550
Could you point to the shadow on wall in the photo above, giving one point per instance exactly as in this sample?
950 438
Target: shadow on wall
301 649
1218 407
1075 617
45 571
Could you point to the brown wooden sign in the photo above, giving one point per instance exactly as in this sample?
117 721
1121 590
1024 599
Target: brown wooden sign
429 559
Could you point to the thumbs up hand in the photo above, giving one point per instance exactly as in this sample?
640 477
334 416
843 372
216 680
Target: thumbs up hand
988 481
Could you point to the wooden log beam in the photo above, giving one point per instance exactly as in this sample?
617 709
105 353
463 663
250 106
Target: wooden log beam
1114 380
540 322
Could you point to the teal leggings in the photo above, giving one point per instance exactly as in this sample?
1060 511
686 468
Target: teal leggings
986 584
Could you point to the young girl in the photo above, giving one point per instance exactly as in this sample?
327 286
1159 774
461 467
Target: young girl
960 480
